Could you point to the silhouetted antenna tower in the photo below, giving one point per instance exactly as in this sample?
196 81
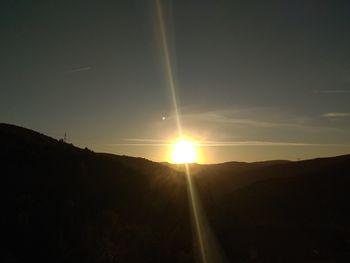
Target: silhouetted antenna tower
65 137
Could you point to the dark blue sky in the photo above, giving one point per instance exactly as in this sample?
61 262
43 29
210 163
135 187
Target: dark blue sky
256 79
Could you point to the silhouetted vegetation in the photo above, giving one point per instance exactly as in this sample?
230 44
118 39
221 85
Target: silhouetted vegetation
65 204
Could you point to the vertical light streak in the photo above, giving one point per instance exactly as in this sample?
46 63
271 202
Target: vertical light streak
206 245
168 65
195 214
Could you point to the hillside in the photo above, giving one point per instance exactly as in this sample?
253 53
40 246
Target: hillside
61 203
296 212
65 204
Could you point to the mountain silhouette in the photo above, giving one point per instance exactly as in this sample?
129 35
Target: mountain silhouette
61 203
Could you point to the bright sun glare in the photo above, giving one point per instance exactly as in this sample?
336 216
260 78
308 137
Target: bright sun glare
184 152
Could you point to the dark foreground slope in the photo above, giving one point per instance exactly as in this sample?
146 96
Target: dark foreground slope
295 212
64 204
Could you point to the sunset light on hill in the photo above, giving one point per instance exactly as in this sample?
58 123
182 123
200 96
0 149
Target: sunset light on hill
175 131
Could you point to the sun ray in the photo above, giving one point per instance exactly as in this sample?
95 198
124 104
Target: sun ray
185 153
168 65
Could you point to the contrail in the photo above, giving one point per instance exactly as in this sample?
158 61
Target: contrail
208 252
80 69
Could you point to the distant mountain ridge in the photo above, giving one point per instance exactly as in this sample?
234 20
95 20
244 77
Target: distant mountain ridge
66 204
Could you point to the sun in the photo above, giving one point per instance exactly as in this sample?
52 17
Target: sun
184 152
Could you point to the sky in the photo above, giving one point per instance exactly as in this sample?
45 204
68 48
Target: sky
255 80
